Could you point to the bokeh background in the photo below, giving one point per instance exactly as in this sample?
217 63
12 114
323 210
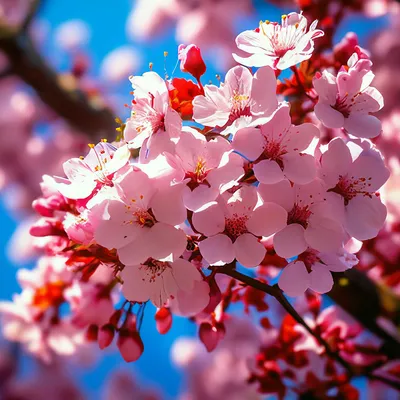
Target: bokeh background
100 27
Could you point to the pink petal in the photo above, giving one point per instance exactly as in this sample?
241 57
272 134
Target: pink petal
167 205
365 216
280 193
324 234
210 219
267 219
321 278
263 92
335 161
279 123
185 274
217 250
362 125
299 168
249 142
135 287
294 280
290 242
268 171
248 250
114 235
197 198
301 136
326 88
370 166
328 116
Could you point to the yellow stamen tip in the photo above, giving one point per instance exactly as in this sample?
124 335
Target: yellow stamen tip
165 53
343 281
91 145
150 65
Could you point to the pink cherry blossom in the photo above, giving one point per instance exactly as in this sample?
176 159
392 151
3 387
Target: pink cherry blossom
141 223
208 167
277 149
238 100
94 171
346 101
279 46
309 221
159 281
312 270
233 225
153 122
353 175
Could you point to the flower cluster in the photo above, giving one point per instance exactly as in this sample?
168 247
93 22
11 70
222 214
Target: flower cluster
206 178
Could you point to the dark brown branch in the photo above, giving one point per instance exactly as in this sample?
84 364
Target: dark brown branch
277 293
65 100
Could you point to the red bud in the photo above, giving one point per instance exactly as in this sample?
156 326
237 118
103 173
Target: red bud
163 319
105 336
130 345
211 335
191 60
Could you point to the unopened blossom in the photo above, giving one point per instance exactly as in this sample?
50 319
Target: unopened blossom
160 281
94 171
240 99
207 167
309 220
191 60
141 223
347 100
352 176
277 149
153 122
233 225
278 45
312 270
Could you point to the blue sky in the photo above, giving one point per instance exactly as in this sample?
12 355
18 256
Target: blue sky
107 22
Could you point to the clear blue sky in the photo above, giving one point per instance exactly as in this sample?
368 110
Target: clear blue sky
107 22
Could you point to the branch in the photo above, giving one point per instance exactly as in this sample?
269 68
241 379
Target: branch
63 98
277 293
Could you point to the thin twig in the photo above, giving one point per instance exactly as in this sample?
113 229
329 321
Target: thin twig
277 293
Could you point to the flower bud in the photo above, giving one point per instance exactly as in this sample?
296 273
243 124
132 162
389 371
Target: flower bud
130 345
163 320
210 335
191 60
105 336
47 227
92 332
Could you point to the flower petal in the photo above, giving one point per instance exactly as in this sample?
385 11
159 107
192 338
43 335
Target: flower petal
290 242
248 250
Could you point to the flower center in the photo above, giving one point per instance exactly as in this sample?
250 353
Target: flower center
153 269
349 188
239 106
299 215
236 226
140 216
274 151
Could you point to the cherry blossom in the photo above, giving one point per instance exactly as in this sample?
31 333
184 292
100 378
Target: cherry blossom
94 171
278 45
346 101
153 122
162 280
312 270
208 167
353 175
277 149
141 223
240 99
233 225
309 221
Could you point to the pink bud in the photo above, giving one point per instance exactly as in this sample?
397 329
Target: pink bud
210 335
130 345
163 320
105 336
47 227
41 207
191 60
